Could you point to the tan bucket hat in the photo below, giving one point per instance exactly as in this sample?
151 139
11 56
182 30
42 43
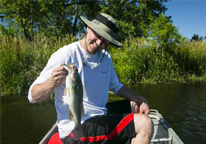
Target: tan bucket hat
105 26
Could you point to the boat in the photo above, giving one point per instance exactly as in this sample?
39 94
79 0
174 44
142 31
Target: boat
163 133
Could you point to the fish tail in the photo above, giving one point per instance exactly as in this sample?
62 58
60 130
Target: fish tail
77 132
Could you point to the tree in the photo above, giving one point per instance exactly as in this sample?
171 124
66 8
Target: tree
196 38
163 32
134 16
60 17
51 17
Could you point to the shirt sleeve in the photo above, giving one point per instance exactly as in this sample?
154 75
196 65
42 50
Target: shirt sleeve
56 59
115 84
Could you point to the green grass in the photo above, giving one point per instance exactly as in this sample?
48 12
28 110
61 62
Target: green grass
143 61
22 60
191 58
139 60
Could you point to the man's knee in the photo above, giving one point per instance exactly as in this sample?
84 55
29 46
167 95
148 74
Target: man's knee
143 124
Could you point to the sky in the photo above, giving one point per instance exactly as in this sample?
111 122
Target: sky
189 16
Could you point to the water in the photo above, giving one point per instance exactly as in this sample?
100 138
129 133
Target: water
25 123
179 102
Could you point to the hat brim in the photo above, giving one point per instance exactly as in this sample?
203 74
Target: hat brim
102 31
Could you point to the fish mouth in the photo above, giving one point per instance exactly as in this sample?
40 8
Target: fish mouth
70 68
65 67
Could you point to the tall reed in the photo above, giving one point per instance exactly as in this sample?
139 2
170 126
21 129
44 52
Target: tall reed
191 59
141 60
22 60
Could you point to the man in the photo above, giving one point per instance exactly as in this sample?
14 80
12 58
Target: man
98 76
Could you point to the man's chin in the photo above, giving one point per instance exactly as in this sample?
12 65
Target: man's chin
93 50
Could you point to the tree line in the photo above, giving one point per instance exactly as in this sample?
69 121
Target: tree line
56 18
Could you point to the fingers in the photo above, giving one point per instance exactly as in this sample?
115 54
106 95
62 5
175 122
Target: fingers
134 107
59 75
144 112
142 108
59 71
147 112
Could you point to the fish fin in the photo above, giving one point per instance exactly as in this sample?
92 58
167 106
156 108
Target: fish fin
67 92
78 132
65 100
66 97
71 117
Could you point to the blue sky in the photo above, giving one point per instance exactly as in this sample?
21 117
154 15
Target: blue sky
189 16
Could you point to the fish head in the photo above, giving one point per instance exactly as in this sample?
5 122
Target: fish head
72 71
66 67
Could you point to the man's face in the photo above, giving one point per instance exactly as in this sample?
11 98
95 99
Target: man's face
95 42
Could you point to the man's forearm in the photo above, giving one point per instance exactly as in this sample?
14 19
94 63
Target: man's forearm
41 92
130 95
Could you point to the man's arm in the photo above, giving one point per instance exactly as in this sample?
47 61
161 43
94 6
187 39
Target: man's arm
139 104
41 92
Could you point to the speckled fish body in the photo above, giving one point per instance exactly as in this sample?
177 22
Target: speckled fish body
74 94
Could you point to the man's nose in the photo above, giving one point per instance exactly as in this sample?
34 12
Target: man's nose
99 42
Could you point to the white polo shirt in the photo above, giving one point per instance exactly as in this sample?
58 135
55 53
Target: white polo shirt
96 80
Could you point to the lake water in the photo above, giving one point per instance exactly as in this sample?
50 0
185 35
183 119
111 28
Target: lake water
25 123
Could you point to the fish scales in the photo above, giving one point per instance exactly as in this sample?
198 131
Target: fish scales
74 94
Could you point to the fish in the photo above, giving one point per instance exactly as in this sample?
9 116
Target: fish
74 95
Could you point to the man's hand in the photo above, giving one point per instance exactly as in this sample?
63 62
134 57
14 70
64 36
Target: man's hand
58 76
142 108
42 91
139 104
